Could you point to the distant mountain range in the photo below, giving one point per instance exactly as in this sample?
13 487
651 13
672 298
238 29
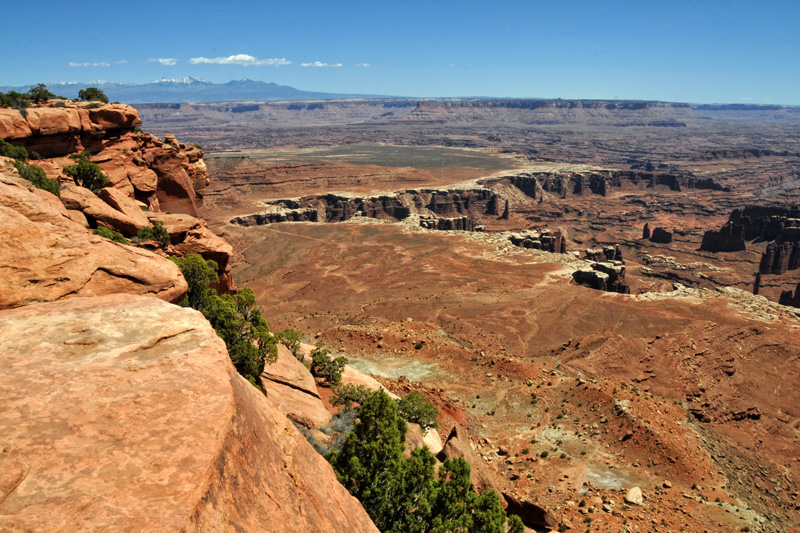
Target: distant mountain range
184 90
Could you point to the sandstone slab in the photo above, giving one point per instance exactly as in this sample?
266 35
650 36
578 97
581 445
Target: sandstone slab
125 413
84 200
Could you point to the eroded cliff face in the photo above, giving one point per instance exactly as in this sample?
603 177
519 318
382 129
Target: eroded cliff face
150 179
125 412
46 255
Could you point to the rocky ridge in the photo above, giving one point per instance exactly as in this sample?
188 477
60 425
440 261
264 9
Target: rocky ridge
150 179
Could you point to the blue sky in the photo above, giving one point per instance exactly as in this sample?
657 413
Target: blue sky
701 51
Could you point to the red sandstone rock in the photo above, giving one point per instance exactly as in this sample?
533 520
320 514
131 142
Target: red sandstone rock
94 208
126 414
125 204
291 388
47 256
530 513
457 445
288 370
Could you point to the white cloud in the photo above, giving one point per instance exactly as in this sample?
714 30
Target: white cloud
120 62
98 64
320 64
166 61
241 59
363 65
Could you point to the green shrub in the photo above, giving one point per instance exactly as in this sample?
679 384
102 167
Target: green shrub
348 395
291 339
92 94
323 366
58 104
85 173
405 494
15 100
93 105
111 235
415 408
14 152
37 176
156 232
236 318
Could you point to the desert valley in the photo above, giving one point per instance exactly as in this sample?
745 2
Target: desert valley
600 297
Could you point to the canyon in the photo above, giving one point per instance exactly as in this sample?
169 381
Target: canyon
599 297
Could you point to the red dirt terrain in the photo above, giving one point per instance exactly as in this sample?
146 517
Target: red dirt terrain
686 386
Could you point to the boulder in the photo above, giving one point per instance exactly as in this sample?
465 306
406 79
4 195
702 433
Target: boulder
47 256
634 496
95 209
161 433
125 204
531 514
458 445
414 438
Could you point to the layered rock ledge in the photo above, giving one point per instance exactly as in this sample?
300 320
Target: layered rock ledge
124 412
48 256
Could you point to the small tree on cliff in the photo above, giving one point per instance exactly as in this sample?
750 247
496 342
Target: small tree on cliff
39 94
92 94
404 495
86 173
236 318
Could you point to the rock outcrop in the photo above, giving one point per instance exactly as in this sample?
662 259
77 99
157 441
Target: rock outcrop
661 236
447 224
729 238
531 514
601 182
440 209
48 256
784 253
546 240
146 175
787 298
457 445
161 433
606 276
291 388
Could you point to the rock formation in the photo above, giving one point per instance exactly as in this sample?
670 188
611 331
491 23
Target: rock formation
447 224
661 236
457 445
161 433
440 209
784 253
291 388
730 238
47 256
601 181
646 231
606 253
540 240
531 514
147 175
787 298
